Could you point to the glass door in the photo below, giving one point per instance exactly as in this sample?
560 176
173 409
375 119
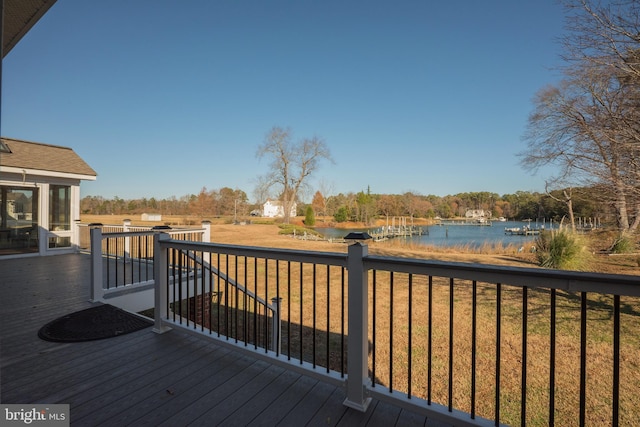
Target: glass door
59 216
18 220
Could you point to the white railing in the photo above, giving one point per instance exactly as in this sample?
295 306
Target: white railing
381 311
122 261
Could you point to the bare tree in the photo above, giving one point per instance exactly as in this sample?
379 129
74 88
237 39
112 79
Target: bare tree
588 124
567 199
291 164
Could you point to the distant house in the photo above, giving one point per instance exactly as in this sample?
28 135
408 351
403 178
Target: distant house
151 217
274 209
477 214
39 197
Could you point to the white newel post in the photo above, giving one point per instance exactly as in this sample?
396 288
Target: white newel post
161 284
357 339
206 236
95 234
126 226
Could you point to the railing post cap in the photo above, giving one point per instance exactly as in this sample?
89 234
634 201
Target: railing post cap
160 227
95 224
358 236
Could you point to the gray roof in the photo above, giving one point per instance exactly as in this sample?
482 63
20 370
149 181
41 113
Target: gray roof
43 157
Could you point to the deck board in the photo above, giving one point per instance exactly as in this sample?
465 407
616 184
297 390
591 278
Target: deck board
149 379
309 405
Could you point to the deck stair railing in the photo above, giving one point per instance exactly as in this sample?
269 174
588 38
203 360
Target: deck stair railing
122 255
466 344
205 297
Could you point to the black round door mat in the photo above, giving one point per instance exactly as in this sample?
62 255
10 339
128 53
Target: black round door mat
95 323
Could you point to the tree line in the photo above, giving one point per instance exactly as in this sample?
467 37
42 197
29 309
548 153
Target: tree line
365 206
221 202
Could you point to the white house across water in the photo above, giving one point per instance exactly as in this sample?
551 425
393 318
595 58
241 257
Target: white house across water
39 197
274 208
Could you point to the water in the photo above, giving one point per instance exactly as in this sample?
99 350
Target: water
457 235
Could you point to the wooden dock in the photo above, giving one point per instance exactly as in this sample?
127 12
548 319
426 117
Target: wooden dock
463 222
399 227
521 231
385 233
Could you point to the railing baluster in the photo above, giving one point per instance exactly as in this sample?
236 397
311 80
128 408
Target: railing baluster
180 276
450 390
227 314
124 263
328 316
429 338
149 255
279 307
266 299
616 361
128 259
186 274
498 334
583 357
289 310
172 263
203 292
236 308
182 298
108 264
139 256
313 307
245 316
218 294
474 337
255 303
117 261
374 301
410 337
523 397
342 299
191 259
301 318
143 257
391 331
552 360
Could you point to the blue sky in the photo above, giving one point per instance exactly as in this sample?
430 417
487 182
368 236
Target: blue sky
165 97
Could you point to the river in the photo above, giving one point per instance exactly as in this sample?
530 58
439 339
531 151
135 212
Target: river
473 236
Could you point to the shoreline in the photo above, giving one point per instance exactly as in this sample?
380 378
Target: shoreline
267 234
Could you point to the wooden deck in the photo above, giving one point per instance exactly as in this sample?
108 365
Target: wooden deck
146 379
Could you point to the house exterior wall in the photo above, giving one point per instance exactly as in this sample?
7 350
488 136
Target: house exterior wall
274 209
477 213
151 217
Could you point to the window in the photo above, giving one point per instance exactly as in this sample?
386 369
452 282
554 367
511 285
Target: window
4 148
59 207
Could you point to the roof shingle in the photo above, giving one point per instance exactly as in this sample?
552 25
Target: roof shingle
44 157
